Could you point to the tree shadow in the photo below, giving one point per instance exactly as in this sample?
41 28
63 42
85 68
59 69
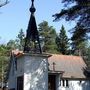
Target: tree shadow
36 74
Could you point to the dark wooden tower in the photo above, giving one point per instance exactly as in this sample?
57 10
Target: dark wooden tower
32 42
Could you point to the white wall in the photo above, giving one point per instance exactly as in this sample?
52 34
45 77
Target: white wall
20 66
76 85
35 73
12 78
58 82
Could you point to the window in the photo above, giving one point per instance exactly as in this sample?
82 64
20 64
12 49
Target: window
63 83
60 83
67 83
80 82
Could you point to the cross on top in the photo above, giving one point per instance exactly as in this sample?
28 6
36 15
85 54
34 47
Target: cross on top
32 9
32 0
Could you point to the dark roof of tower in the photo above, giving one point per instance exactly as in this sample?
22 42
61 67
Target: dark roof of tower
32 27
32 33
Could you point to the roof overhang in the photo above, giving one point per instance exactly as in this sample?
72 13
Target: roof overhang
30 54
51 72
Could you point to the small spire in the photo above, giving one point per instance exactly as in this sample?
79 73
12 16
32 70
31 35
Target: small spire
32 9
32 1
32 42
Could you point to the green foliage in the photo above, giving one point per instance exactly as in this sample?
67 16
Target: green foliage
3 67
81 49
47 37
78 38
79 33
20 39
4 58
12 44
88 53
18 43
3 3
80 10
62 41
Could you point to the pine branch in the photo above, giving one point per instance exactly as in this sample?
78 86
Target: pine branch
3 4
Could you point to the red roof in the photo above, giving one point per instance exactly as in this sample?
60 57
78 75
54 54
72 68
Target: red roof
72 66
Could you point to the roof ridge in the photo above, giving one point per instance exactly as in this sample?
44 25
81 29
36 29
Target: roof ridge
67 55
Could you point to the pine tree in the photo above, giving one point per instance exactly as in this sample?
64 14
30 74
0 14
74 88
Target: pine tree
88 53
11 44
79 10
3 3
78 39
4 59
62 41
47 37
18 43
20 39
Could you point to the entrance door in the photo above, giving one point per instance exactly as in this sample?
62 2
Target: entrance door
52 82
20 83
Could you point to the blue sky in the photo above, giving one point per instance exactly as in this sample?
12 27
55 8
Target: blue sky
15 16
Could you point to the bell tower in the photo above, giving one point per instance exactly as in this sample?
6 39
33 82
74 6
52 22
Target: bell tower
32 65
32 42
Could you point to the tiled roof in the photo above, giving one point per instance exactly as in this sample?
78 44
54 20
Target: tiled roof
72 66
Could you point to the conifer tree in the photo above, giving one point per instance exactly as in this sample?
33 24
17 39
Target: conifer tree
78 39
3 2
62 41
20 39
78 10
47 37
